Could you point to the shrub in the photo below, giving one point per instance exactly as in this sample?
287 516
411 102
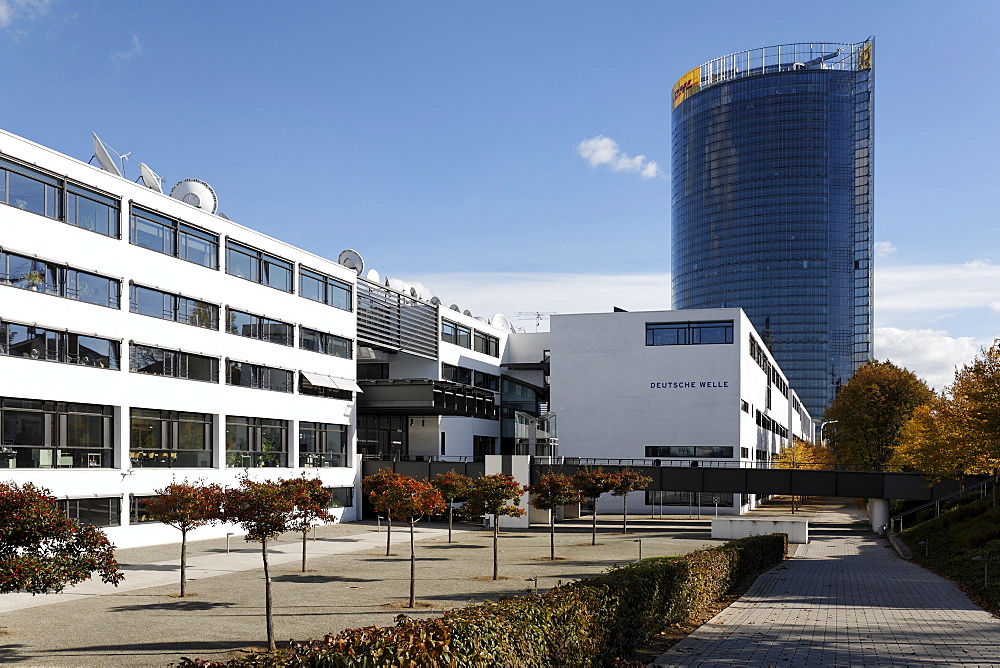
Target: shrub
585 623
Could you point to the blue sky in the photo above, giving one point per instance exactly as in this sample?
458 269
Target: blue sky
442 140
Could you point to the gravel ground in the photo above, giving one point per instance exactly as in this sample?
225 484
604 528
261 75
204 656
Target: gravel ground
152 627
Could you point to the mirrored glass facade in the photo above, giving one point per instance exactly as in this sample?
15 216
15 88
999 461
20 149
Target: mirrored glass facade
772 203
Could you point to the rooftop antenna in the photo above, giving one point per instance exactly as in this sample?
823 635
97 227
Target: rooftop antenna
104 158
150 179
537 315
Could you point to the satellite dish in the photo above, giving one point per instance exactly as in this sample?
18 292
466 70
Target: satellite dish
150 179
482 319
373 276
222 215
413 292
454 307
436 301
352 260
467 312
501 322
197 193
104 158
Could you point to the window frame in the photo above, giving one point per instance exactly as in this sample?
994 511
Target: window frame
260 269
259 376
176 363
179 232
53 278
327 343
175 309
258 325
330 287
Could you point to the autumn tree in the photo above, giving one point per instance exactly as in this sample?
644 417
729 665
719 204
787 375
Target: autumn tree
553 490
452 485
625 482
263 509
802 454
870 412
591 483
498 495
312 506
186 506
405 499
929 442
41 550
373 487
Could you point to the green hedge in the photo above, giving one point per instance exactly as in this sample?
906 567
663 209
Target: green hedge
585 623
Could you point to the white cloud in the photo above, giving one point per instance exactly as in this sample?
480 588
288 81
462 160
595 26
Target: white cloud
135 48
929 353
12 10
937 287
884 248
995 306
601 150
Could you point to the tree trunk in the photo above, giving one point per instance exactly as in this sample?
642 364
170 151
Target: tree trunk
593 536
267 598
304 550
552 534
388 533
451 507
413 569
496 537
183 562
624 513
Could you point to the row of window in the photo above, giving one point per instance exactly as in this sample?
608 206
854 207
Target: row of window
32 190
106 511
773 377
65 281
705 451
46 434
765 422
689 333
693 499
466 337
460 374
39 343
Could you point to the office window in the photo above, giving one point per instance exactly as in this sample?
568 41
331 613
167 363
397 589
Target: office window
60 280
377 371
307 388
689 333
159 233
258 327
693 499
487 381
324 289
456 334
704 451
484 343
30 190
322 445
257 266
258 376
170 439
169 306
254 442
92 211
137 510
483 445
173 363
341 497
327 344
97 511
50 434
39 343
456 374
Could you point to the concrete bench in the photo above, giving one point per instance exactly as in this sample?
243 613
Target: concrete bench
732 527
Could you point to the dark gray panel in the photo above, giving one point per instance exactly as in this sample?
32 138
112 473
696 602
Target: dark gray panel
769 481
725 480
681 479
814 483
416 470
860 484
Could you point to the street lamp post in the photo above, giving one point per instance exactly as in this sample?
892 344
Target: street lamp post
639 540
986 568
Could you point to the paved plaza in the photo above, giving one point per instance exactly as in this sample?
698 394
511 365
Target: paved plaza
845 600
350 583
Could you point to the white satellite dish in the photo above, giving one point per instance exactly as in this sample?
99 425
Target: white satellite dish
352 260
373 276
501 322
104 158
150 179
482 319
467 312
436 300
197 193
454 307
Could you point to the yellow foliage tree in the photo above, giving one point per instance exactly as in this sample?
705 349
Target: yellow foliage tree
800 454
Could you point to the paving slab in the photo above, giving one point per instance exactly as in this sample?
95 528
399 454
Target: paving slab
845 600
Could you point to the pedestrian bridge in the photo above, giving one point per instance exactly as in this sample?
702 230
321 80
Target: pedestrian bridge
701 476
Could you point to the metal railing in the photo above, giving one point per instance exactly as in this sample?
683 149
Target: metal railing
980 488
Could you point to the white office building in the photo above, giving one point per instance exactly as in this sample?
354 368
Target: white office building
690 388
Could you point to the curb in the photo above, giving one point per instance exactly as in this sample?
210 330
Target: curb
900 547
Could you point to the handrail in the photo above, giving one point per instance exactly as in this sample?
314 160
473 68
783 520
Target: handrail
978 487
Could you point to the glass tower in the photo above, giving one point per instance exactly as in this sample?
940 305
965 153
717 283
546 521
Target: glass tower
772 203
